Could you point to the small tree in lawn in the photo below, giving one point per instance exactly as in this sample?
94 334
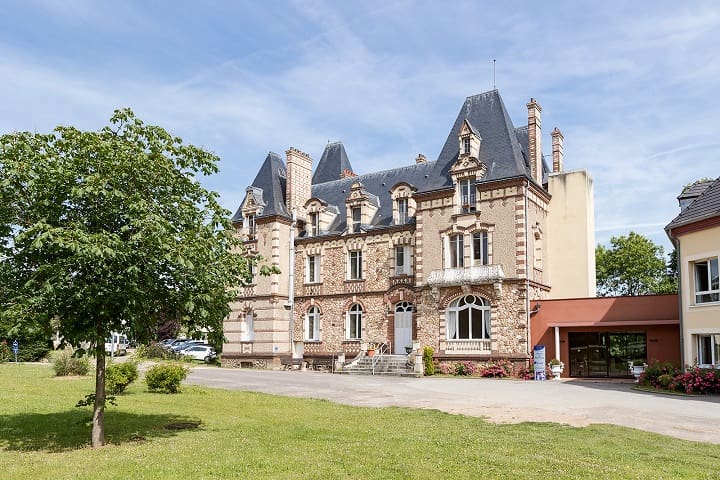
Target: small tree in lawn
111 230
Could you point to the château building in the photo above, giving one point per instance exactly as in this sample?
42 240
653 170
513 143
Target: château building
447 253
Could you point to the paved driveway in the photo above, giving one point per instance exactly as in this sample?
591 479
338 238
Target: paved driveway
576 403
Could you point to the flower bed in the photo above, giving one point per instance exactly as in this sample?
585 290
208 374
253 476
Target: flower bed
695 380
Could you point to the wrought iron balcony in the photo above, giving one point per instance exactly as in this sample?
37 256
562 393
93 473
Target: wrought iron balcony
448 277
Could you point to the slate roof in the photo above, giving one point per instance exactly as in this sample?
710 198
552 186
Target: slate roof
333 162
377 183
270 180
503 149
705 206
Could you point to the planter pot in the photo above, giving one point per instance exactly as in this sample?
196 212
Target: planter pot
557 370
637 371
408 350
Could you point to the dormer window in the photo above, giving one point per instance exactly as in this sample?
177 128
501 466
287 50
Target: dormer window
314 224
466 190
356 219
402 211
466 145
250 222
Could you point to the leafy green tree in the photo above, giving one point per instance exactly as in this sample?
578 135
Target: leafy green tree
633 265
109 230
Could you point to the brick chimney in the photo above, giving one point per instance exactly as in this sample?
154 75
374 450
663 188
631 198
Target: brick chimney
557 149
298 186
535 139
347 173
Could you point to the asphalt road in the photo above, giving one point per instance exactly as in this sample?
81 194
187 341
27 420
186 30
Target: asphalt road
576 402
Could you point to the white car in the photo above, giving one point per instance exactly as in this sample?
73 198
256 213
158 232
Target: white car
200 352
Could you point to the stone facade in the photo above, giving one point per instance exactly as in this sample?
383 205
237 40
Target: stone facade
447 254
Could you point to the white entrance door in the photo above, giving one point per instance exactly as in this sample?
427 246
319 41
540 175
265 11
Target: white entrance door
403 327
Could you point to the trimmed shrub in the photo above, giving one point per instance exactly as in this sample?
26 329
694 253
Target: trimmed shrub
500 369
65 364
165 378
665 380
428 363
118 376
653 372
155 351
465 369
698 380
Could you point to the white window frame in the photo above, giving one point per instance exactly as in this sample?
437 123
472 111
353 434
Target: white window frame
455 251
248 334
251 226
402 260
403 210
312 269
482 250
355 270
467 193
354 319
314 223
356 222
711 267
474 306
713 344
312 324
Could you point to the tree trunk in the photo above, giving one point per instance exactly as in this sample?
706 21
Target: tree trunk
98 420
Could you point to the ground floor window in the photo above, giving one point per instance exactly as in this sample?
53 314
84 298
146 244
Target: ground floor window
312 324
605 354
353 326
708 350
247 328
468 318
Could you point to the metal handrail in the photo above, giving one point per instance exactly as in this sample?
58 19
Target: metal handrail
380 351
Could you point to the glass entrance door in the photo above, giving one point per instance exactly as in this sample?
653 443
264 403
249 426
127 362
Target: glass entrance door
604 354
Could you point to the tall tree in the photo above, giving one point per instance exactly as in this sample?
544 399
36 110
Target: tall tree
633 265
109 230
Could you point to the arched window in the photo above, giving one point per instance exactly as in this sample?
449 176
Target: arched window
353 324
468 318
312 324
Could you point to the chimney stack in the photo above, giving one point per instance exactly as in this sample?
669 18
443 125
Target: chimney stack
535 139
557 149
298 185
420 159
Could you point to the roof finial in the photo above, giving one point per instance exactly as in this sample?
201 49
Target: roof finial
494 87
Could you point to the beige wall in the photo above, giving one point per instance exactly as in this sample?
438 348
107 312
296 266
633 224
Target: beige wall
700 318
571 235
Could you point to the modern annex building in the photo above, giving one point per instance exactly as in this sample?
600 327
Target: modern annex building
695 232
447 253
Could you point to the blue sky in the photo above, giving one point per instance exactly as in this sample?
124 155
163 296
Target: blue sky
634 86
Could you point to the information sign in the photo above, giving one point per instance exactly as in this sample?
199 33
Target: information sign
539 362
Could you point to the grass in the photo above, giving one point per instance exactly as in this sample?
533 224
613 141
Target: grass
250 435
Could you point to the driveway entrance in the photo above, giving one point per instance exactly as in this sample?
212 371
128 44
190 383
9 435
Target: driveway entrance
574 402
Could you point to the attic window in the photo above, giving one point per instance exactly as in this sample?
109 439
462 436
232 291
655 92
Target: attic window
314 224
402 211
250 222
466 145
356 219
466 190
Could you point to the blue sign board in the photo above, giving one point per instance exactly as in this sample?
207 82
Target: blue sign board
539 362
16 347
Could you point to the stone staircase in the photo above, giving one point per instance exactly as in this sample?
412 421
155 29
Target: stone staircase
390 365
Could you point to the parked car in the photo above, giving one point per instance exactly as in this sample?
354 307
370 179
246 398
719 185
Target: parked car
200 352
179 347
166 343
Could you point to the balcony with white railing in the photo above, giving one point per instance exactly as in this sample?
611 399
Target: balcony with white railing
467 346
448 277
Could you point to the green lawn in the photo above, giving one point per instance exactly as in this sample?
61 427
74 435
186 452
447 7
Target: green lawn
256 436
